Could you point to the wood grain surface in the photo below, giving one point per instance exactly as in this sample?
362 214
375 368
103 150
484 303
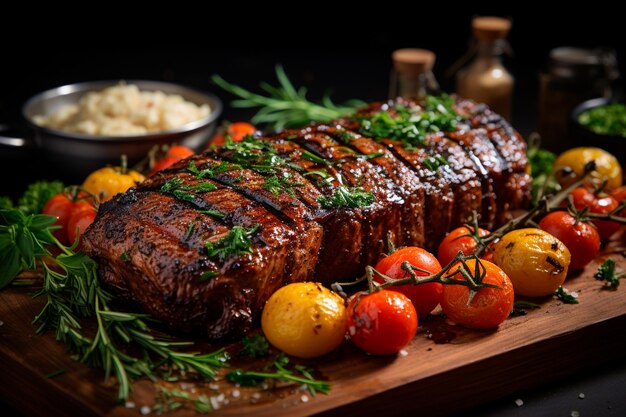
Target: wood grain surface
435 379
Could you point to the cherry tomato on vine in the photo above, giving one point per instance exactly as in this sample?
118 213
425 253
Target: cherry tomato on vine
461 239
236 130
488 308
619 194
163 163
600 204
80 220
425 297
581 238
381 323
64 206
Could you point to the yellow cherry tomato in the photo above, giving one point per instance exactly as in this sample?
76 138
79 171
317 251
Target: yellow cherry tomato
607 167
535 261
106 182
304 319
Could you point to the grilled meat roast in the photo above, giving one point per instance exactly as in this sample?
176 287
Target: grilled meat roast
202 245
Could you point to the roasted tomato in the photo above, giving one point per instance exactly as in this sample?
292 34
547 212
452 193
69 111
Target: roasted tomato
66 207
106 182
599 203
178 152
607 167
162 164
534 260
237 131
304 319
381 323
425 297
489 307
461 239
581 238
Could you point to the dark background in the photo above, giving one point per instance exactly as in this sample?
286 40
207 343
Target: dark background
346 54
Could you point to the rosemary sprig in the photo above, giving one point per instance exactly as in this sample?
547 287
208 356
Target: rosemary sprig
72 291
251 378
284 106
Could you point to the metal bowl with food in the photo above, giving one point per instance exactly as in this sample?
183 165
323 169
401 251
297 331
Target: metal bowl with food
601 123
78 152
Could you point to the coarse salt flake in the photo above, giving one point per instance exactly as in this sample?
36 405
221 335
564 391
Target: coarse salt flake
519 402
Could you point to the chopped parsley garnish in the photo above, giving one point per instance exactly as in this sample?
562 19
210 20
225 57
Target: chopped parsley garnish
236 242
211 171
124 256
607 272
213 213
208 275
277 184
181 191
347 197
566 296
254 346
190 229
412 125
311 157
434 162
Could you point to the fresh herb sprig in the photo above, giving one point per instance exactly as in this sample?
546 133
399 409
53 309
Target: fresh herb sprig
181 191
72 291
254 346
347 197
299 375
607 272
37 194
285 106
566 296
236 242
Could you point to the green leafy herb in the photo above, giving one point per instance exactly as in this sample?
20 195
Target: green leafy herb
541 163
190 229
412 125
5 203
320 173
607 272
211 171
124 256
170 400
310 156
565 296
254 346
181 191
434 162
208 275
72 291
299 375
347 197
213 213
605 120
284 106
37 195
371 155
236 242
279 184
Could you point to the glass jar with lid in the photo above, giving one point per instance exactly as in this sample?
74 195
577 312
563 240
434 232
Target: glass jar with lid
412 74
485 79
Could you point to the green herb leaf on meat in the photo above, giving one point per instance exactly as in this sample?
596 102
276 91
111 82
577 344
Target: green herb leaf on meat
347 197
236 242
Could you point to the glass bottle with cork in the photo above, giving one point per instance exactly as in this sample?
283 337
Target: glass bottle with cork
485 79
412 74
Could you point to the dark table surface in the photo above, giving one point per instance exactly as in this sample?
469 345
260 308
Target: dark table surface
357 73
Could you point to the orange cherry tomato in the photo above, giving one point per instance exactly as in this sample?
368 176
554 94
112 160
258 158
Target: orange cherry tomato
179 152
381 323
581 238
425 297
488 308
237 131
599 203
461 239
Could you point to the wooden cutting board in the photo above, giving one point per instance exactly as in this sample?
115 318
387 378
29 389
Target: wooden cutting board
434 379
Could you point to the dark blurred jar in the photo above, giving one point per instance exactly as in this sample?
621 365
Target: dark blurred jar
573 76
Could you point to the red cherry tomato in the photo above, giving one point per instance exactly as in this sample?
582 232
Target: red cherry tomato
425 297
81 218
64 206
381 323
600 204
461 239
179 152
581 238
619 194
488 308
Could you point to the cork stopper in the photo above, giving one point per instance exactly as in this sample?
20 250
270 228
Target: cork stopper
489 28
413 61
